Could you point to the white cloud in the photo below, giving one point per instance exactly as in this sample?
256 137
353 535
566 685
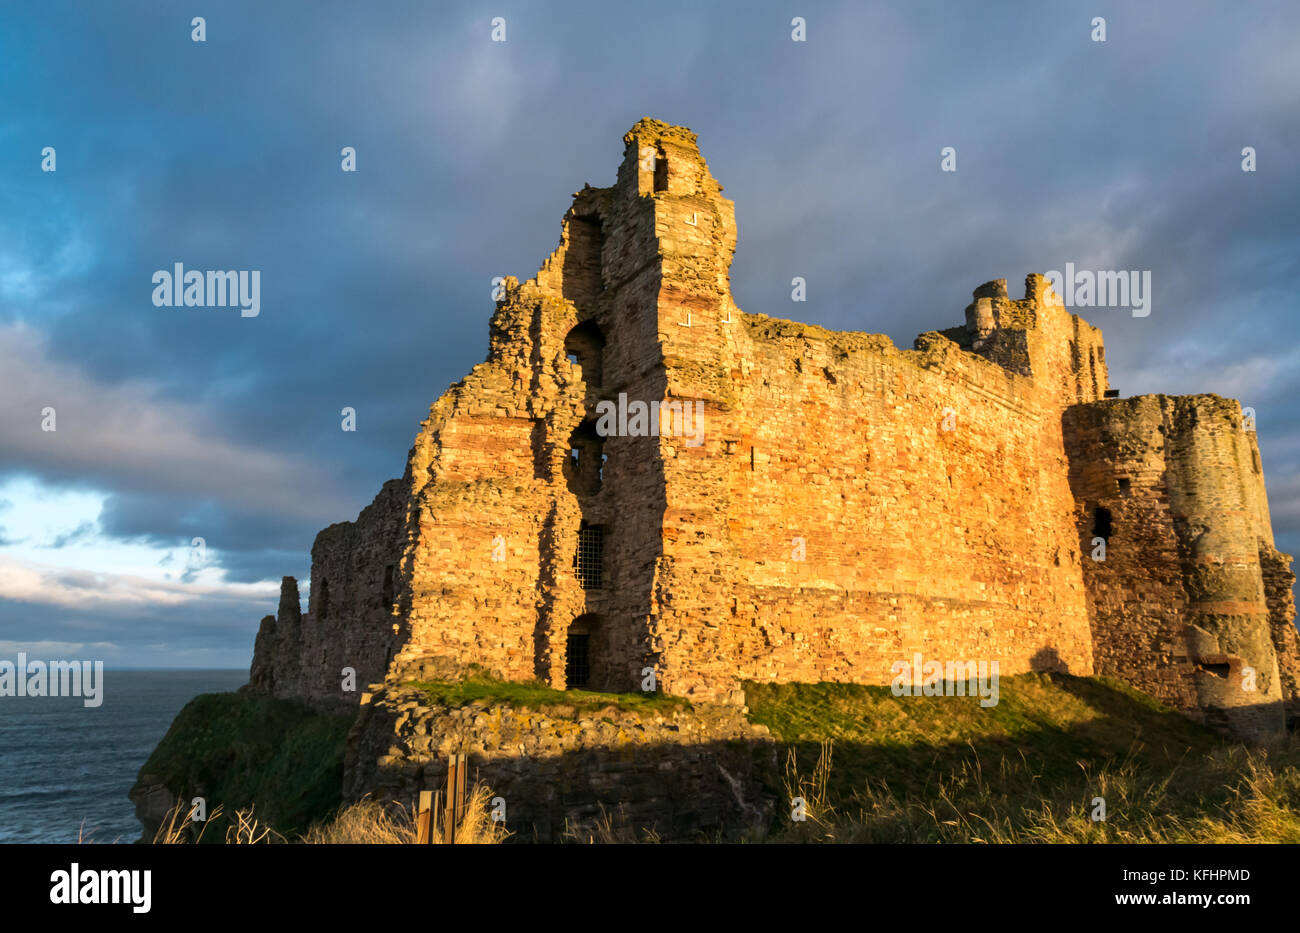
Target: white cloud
29 582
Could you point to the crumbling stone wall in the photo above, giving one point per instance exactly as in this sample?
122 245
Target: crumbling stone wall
679 773
851 503
1279 592
1179 602
352 614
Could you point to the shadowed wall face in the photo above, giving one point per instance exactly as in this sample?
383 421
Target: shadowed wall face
1180 597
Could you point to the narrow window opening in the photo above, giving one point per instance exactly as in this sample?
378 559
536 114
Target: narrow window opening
1101 523
1124 485
585 469
1216 665
661 172
386 599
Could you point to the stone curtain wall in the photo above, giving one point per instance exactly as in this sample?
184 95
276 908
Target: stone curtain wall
830 525
851 504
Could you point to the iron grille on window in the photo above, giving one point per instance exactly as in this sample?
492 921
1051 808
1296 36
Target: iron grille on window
576 665
591 551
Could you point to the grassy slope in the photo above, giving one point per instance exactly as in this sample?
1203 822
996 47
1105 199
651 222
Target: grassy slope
239 749
899 769
946 769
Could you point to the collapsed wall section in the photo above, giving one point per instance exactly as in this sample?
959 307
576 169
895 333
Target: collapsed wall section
348 634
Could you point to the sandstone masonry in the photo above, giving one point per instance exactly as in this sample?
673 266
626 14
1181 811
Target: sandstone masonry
850 504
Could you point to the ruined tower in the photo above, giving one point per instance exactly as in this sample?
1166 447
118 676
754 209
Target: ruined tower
814 506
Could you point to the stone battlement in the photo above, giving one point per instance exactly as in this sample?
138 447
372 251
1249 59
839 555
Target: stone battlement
849 503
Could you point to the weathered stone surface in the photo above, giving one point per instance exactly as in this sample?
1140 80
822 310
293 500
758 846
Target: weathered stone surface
680 773
851 503
1192 599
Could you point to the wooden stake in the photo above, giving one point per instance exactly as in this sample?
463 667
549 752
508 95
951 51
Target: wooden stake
424 818
449 818
462 766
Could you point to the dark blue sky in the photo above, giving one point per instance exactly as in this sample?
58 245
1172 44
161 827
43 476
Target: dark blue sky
376 286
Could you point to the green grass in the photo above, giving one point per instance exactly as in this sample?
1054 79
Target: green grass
875 767
239 749
538 696
872 767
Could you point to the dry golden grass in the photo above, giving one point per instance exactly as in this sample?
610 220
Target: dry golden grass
1234 795
366 822
369 822
245 830
178 826
607 829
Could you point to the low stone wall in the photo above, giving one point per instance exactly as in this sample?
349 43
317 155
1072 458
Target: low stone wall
680 772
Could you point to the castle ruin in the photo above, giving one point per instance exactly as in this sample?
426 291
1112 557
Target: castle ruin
814 506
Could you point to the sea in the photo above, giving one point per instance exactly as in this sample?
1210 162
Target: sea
65 769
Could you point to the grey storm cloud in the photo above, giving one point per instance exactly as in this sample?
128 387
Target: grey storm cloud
376 285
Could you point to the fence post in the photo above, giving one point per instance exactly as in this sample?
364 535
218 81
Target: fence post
449 818
424 818
461 789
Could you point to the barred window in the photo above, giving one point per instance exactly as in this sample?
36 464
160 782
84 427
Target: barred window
588 561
